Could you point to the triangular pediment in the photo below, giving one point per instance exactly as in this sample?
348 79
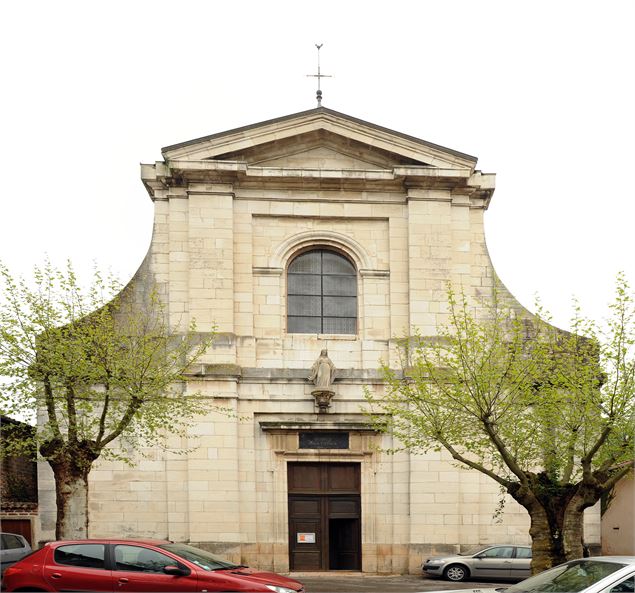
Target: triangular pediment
318 139
319 149
321 157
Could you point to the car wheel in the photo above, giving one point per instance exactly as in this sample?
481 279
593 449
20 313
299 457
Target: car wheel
456 572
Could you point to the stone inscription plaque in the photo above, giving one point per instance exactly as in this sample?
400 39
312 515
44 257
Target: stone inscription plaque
324 440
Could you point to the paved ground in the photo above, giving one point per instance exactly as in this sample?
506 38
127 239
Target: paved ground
356 583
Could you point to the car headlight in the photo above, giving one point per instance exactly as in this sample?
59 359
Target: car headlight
434 561
277 589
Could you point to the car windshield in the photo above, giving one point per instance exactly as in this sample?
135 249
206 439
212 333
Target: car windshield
202 559
571 577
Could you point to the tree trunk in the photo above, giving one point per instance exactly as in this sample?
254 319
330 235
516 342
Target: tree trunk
71 465
547 547
573 532
71 495
556 531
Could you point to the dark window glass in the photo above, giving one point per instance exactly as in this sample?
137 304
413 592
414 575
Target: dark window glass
627 586
321 294
309 263
137 559
304 284
333 263
523 552
339 285
307 306
11 542
339 325
339 306
305 325
498 553
84 555
323 440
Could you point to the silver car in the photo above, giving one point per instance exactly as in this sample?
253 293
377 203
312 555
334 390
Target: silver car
13 547
500 562
600 574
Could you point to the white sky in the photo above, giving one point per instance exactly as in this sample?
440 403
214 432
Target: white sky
542 92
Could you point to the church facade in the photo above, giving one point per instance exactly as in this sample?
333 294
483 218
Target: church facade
312 243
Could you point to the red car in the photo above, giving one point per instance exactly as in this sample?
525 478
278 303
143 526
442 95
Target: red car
136 565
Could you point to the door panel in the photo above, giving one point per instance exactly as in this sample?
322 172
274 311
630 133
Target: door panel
77 567
140 581
304 507
521 563
137 568
494 562
305 543
343 477
343 507
305 477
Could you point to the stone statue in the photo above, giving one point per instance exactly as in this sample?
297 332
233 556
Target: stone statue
323 372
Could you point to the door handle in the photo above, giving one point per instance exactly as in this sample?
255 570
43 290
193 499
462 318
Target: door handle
56 575
122 581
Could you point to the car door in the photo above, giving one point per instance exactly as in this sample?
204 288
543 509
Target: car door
140 568
495 562
521 563
77 567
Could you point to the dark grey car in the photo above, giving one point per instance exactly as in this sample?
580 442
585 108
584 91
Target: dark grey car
500 562
13 547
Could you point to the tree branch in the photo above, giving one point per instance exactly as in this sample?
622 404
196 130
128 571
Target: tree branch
477 466
50 407
133 407
615 478
508 458
72 411
104 414
585 462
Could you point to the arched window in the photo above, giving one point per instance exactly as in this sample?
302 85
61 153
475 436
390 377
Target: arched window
321 294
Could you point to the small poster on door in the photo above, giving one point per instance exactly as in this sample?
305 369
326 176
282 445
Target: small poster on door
306 538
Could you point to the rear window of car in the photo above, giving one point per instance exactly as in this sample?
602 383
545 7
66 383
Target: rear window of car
627 586
11 542
83 555
523 552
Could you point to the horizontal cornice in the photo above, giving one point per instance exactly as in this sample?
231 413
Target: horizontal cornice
164 177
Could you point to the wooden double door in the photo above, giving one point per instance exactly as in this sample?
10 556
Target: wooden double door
324 516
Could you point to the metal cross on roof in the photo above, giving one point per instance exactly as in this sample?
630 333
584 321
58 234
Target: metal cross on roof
318 76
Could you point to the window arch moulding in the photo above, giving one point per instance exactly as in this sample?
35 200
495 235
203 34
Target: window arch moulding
313 239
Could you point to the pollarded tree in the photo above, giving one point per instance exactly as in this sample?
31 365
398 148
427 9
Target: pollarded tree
95 364
547 414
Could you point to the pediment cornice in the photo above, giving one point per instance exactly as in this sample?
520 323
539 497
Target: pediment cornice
350 129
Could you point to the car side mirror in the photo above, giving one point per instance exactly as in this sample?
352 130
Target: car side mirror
177 571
